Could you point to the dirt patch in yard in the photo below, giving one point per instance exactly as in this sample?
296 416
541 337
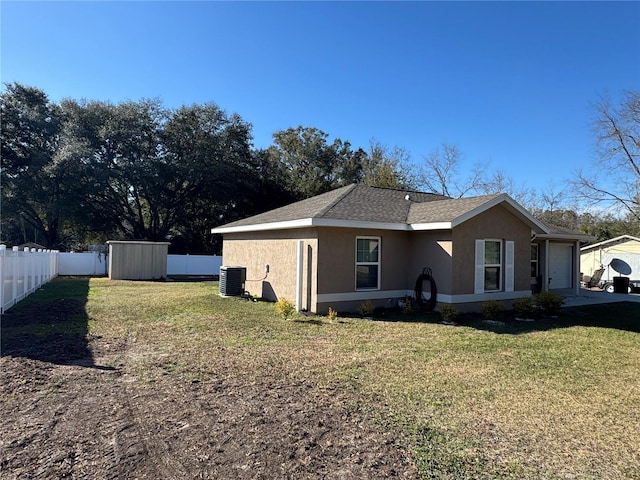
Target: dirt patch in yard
72 406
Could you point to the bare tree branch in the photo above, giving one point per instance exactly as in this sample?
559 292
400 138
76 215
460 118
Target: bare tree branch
617 131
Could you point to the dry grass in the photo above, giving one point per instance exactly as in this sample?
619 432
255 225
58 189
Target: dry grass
554 400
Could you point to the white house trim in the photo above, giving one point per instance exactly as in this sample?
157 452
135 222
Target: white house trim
395 294
483 297
363 295
301 223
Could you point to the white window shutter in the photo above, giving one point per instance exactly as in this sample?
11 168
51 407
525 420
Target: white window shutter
509 268
479 272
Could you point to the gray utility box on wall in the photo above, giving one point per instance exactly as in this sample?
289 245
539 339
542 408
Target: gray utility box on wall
232 281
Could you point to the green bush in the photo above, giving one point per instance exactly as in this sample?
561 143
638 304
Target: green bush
548 302
366 309
449 313
523 307
408 305
285 308
492 309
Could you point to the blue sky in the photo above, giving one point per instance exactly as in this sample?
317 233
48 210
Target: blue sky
510 83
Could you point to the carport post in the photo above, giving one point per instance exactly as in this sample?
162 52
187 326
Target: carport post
545 278
576 268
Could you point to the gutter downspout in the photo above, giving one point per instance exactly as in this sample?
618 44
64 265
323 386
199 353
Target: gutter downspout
299 270
576 268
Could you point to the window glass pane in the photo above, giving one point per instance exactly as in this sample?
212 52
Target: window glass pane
367 276
492 278
534 269
534 252
367 250
491 252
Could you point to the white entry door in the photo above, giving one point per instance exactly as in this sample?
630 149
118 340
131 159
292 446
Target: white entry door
560 263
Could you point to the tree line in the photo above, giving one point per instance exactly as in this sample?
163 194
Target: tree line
76 173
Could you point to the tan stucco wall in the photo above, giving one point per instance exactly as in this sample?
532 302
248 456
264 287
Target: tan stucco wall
499 224
278 249
432 250
329 260
337 248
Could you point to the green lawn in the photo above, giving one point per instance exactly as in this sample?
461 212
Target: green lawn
548 399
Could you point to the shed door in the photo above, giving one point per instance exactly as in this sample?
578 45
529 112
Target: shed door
560 266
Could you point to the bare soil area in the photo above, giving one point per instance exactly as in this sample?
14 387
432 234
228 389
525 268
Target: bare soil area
71 407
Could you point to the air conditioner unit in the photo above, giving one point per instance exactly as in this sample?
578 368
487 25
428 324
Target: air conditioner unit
232 281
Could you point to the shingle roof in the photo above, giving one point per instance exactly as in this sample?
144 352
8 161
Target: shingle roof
362 205
558 232
445 210
309 208
353 202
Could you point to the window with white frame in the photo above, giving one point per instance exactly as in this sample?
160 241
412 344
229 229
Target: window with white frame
492 265
367 263
495 267
534 260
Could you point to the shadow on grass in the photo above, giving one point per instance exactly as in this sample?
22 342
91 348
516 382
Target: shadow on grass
51 325
309 321
621 316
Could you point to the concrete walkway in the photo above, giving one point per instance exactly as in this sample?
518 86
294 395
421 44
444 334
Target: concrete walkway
593 297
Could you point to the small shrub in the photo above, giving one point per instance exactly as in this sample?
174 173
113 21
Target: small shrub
332 314
285 308
366 309
491 309
548 302
408 305
522 307
449 313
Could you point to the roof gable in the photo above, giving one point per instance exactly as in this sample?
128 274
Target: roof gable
362 206
611 242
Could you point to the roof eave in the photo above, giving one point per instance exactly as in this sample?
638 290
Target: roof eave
259 227
619 239
566 236
312 222
418 227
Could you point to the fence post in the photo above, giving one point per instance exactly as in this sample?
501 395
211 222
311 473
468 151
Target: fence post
16 274
3 251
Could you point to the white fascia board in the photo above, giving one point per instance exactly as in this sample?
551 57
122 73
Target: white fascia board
331 222
301 223
312 222
430 226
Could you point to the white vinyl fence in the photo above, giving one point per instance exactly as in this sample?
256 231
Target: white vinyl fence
96 264
85 263
22 272
193 264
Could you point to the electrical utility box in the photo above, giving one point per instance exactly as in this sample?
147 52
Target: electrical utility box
232 281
